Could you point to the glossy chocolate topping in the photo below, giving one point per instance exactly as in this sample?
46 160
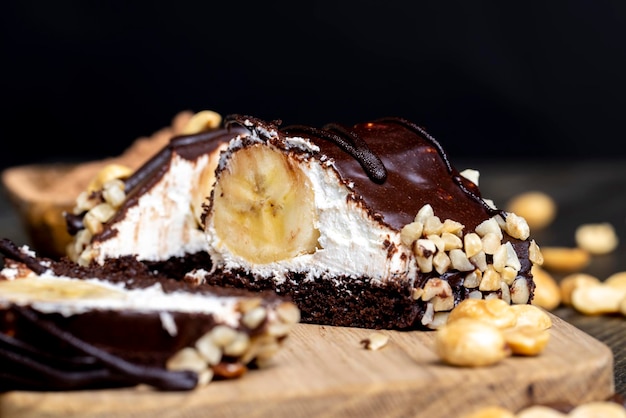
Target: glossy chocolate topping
396 168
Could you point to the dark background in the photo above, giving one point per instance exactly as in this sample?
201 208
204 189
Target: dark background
488 79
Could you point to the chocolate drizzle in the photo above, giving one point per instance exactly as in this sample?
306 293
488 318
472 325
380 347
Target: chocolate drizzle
12 251
349 142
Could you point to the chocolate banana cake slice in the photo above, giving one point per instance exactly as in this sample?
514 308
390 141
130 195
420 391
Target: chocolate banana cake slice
67 327
367 226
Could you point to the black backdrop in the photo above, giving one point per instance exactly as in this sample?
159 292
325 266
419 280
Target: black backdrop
488 79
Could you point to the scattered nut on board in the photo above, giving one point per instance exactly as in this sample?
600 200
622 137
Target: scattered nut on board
375 341
547 291
482 332
599 238
604 409
565 259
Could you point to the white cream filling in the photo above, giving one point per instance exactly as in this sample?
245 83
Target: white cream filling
161 225
48 293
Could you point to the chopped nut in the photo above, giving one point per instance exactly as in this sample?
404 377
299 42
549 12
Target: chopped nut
210 352
417 293
222 335
375 341
508 275
471 174
505 292
439 320
288 313
229 370
490 280
205 377
424 248
114 194
489 226
108 173
254 317
480 260
453 227
472 280
473 244
443 303
491 243
534 253
425 264
429 314
516 226
411 232
438 241
460 261
434 287
451 241
186 359
520 293
424 213
433 226
238 346
102 212
441 262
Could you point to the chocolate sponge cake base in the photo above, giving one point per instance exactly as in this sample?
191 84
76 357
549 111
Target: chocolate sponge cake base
340 301
347 302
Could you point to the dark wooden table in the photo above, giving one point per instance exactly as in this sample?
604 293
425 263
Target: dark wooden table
585 191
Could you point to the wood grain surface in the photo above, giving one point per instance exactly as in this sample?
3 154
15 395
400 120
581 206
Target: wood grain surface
325 371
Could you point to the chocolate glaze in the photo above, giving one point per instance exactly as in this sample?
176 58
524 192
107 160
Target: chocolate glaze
396 168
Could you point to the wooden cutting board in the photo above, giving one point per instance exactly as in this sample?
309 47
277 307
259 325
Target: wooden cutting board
325 371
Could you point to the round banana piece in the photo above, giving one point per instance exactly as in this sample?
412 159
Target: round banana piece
54 290
264 207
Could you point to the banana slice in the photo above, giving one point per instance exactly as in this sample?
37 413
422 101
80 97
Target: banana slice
264 207
54 290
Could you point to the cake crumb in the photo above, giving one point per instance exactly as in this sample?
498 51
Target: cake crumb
375 341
